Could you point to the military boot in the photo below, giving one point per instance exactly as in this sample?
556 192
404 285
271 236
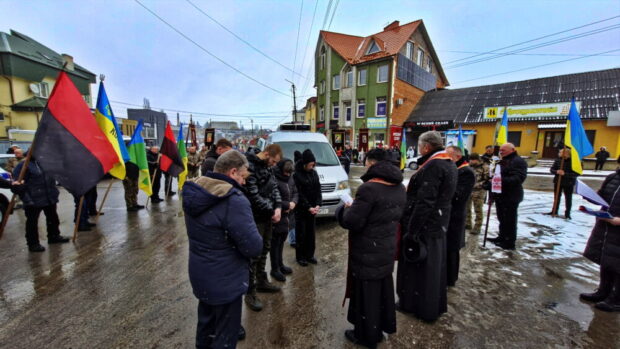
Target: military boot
263 284
252 301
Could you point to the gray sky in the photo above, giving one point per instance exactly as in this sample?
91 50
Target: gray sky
142 57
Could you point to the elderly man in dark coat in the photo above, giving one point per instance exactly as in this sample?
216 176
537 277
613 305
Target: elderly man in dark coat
372 221
603 248
456 229
421 285
222 239
513 170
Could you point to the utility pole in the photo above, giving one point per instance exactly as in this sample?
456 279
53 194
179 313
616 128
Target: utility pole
294 101
252 121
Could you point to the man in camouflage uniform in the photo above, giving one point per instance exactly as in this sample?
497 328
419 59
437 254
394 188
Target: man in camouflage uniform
131 194
193 163
478 195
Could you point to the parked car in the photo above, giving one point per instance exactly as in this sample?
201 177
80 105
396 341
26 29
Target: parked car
412 163
5 194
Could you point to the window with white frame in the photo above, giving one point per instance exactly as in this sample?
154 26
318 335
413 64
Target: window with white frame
150 131
361 77
322 57
43 90
348 81
336 110
336 82
347 111
420 59
382 73
322 87
361 108
321 114
381 106
409 50
373 48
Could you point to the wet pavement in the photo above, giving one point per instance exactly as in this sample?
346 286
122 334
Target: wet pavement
125 284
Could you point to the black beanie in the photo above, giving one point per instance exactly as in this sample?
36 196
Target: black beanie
307 157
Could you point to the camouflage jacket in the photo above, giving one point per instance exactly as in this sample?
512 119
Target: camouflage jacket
193 161
482 175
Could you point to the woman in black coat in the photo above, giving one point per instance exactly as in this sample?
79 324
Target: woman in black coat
603 248
372 221
289 197
310 200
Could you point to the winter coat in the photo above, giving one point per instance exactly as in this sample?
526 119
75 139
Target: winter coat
209 162
372 221
429 198
514 172
222 238
193 161
602 155
482 175
152 159
466 178
604 243
261 188
39 189
569 178
308 188
288 194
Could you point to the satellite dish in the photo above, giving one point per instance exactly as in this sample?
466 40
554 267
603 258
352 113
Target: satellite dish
35 88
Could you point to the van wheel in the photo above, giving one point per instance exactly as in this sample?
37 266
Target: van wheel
413 165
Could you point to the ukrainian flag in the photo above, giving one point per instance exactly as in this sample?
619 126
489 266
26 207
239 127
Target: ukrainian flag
107 124
502 133
575 138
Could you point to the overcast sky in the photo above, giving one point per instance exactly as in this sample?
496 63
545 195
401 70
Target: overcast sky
143 57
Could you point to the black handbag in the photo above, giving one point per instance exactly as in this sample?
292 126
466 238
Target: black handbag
414 249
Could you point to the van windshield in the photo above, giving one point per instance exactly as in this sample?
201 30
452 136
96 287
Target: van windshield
323 152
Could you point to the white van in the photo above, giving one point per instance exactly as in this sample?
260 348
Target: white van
333 178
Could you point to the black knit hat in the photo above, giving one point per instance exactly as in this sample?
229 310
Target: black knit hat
307 157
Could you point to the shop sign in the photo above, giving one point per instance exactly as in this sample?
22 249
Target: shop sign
376 123
530 111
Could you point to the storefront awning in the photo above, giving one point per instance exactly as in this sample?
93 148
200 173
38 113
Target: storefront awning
546 126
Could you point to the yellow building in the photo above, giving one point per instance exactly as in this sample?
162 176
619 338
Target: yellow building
310 118
28 71
537 112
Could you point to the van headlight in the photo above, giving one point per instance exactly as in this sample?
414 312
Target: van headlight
343 185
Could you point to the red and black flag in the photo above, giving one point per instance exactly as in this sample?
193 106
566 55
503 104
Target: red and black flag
170 161
69 145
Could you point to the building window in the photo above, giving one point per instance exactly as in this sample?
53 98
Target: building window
1 117
373 48
347 111
336 82
409 50
382 73
591 134
514 137
349 79
43 90
381 106
322 87
322 57
420 57
321 114
429 65
361 108
336 110
361 77
150 131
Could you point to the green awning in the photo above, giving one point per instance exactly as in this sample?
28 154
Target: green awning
30 104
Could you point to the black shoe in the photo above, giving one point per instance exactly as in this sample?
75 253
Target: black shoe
266 287
133 208
350 335
286 270
84 228
58 239
505 245
36 248
608 305
95 213
294 245
91 224
156 200
241 334
302 262
495 239
593 297
567 216
276 274
312 260
139 207
253 302
171 194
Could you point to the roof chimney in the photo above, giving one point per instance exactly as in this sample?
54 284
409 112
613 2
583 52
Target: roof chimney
392 25
69 61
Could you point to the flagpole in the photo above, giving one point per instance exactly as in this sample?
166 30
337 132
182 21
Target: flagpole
77 219
103 201
486 228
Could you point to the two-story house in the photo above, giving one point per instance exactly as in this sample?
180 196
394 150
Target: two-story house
368 84
28 71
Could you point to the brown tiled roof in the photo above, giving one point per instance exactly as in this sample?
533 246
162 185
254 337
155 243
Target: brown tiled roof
353 48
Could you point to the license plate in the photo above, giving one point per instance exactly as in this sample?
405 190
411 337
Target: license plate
323 211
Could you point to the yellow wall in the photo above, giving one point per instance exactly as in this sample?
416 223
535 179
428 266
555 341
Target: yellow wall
605 136
128 127
310 117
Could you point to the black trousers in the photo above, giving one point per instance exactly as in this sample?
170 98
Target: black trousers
599 165
91 201
507 216
304 235
568 195
277 248
156 183
218 325
84 213
167 183
453 262
32 223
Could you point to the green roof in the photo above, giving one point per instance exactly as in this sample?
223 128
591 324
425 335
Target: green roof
30 104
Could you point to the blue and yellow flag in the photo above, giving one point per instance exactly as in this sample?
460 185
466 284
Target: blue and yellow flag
575 138
137 155
183 155
107 124
403 150
502 133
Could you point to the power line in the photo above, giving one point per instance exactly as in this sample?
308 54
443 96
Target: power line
303 61
333 14
529 54
208 52
254 115
538 66
244 41
301 10
539 38
548 43
326 17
